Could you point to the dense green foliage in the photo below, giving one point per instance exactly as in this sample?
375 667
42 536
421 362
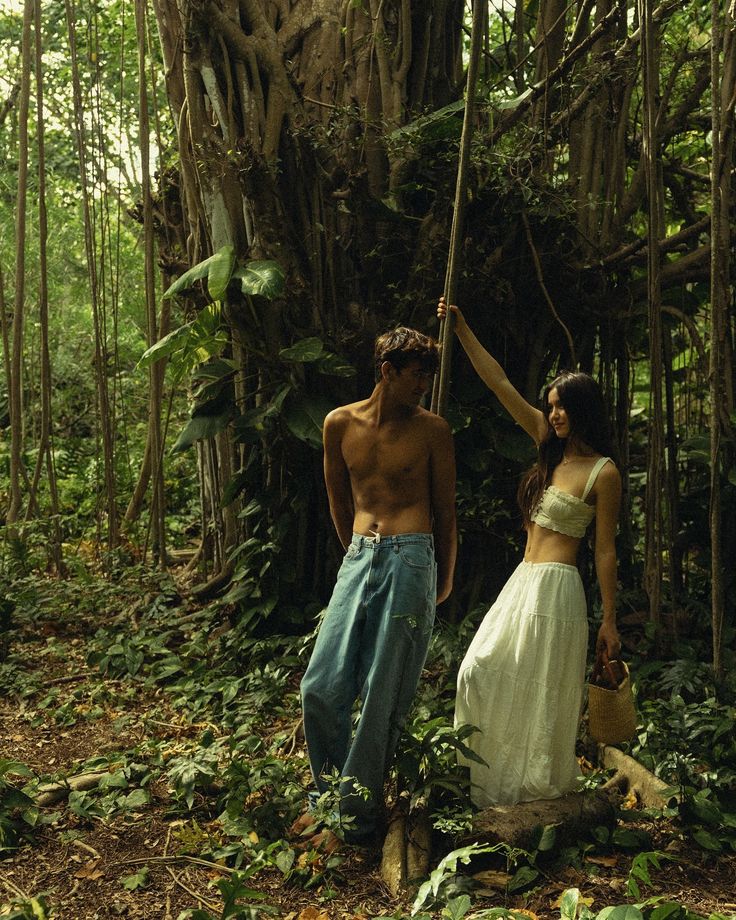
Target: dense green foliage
265 339
230 774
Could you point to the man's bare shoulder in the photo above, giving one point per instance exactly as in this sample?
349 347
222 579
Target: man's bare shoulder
433 424
343 415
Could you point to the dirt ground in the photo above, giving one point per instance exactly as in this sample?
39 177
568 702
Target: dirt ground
79 865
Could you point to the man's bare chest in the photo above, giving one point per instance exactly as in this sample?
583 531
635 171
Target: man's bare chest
385 454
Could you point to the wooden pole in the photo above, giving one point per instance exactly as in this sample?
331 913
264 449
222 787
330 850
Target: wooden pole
441 386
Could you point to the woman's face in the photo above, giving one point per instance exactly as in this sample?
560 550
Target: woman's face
556 414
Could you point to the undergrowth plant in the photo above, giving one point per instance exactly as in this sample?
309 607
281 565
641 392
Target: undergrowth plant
18 812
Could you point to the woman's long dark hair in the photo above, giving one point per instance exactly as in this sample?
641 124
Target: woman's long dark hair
582 400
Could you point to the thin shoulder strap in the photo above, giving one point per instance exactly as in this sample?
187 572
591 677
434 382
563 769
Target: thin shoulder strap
597 467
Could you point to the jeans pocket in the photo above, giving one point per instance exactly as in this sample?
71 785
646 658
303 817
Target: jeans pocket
416 555
352 551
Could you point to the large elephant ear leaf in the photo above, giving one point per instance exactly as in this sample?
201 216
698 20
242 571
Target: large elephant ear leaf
221 271
200 427
304 416
262 278
217 270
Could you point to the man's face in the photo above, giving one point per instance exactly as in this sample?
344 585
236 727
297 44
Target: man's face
411 383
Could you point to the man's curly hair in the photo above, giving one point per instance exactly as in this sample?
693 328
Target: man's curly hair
401 346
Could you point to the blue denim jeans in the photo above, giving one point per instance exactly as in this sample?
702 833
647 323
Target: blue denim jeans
372 643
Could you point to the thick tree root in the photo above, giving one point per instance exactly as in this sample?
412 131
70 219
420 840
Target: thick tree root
631 776
407 847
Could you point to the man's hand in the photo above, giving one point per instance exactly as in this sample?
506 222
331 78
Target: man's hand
443 592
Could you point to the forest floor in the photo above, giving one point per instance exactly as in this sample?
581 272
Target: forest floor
138 845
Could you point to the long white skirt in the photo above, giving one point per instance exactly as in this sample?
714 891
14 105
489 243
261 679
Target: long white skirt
521 683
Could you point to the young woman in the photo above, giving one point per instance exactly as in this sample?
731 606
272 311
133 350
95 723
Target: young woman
521 681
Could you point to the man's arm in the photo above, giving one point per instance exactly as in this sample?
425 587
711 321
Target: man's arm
337 475
442 485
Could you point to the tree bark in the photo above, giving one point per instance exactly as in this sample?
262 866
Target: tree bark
155 377
653 564
45 446
722 101
16 376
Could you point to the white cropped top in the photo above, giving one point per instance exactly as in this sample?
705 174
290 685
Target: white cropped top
566 513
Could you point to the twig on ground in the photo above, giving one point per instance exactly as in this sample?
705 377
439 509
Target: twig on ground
174 859
67 679
12 887
290 743
168 840
85 846
177 880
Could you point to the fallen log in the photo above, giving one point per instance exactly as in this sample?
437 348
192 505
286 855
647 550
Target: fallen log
51 793
519 825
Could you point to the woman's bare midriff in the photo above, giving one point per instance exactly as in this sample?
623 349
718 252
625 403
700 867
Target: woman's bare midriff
543 545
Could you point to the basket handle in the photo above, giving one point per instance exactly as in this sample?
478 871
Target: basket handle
603 670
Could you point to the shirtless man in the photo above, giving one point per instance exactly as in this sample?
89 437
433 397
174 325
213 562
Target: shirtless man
390 475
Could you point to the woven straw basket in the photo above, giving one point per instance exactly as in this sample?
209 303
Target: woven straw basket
611 713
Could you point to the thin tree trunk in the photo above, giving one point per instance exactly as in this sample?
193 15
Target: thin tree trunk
46 443
722 95
158 513
655 460
16 375
673 517
101 353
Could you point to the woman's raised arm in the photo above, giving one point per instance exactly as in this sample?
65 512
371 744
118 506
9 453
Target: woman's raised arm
530 418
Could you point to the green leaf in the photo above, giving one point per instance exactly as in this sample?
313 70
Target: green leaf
334 366
15 767
170 343
706 810
200 427
548 838
304 416
137 880
569 903
262 278
215 369
217 269
522 878
285 860
666 911
137 799
629 838
304 351
516 101
456 908
441 122
707 840
10 798
221 269
114 780
446 868
620 912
